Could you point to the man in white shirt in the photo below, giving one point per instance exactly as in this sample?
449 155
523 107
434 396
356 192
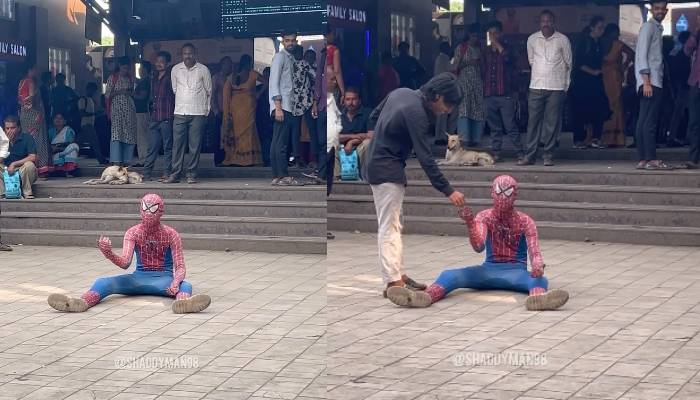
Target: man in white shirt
549 53
193 89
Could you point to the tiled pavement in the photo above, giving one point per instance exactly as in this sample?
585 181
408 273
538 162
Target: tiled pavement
262 337
630 330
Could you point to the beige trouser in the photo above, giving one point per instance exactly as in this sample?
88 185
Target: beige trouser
142 121
361 150
27 174
388 200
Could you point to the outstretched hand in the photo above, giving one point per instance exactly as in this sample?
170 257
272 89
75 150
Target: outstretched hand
105 245
457 199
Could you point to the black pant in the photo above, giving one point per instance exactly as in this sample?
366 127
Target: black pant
281 133
329 167
580 131
321 137
88 132
645 136
219 153
694 124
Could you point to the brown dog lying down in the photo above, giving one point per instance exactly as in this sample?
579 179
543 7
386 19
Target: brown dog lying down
456 155
116 175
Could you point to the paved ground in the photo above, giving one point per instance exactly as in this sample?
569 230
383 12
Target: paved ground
262 337
628 332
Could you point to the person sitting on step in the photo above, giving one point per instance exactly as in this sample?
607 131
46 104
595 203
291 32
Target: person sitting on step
63 147
508 237
356 133
19 158
160 266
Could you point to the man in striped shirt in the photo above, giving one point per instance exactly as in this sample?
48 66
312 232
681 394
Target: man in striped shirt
161 126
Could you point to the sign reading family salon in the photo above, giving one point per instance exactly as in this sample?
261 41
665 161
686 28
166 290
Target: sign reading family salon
348 14
13 50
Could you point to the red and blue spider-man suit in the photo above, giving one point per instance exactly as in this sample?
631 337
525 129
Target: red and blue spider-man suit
160 266
508 236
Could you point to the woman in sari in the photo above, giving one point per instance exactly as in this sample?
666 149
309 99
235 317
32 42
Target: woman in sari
618 57
32 120
63 146
122 112
472 115
239 136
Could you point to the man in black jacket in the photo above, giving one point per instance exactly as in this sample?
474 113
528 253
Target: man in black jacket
402 124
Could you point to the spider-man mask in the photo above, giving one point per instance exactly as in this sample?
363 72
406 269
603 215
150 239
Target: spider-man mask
504 192
152 209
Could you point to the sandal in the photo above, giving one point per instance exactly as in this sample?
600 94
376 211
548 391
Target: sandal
658 166
641 165
29 197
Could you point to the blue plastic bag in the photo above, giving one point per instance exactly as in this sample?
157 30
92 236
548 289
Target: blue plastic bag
349 166
13 186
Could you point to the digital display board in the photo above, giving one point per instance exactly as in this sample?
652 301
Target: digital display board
258 18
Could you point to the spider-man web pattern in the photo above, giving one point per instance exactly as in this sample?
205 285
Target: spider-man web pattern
508 236
158 249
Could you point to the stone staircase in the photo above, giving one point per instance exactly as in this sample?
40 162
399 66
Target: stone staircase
576 200
216 214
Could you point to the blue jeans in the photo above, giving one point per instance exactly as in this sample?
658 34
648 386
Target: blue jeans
470 131
138 283
120 152
160 134
493 276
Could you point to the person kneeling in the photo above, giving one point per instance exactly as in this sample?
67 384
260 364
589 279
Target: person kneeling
508 237
160 266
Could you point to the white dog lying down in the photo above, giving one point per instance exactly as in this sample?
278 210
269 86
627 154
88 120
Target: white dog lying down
456 155
116 175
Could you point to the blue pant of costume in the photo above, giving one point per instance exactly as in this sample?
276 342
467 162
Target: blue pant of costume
138 283
490 275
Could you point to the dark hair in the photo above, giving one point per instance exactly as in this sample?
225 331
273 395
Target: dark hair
403 45
166 56
611 34
353 89
245 60
595 20
46 76
652 2
445 85
124 61
289 32
226 58
56 114
298 52
472 30
310 51
190 45
683 37
267 69
12 119
60 76
495 24
147 65
548 12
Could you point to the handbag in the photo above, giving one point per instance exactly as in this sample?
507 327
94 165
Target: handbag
349 166
13 185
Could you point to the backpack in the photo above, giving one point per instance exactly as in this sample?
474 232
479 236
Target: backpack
349 166
13 185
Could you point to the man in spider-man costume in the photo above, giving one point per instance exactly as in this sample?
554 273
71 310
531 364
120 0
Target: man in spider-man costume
160 266
508 237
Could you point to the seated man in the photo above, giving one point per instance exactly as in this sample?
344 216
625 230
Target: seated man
4 152
356 132
508 236
160 266
20 157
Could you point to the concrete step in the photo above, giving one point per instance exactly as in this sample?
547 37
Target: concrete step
259 226
600 194
215 242
614 174
218 208
205 190
651 235
588 213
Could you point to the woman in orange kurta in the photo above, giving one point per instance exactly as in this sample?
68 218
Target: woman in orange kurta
239 136
618 57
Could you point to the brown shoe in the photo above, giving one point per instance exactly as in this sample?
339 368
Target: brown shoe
405 297
413 284
550 300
